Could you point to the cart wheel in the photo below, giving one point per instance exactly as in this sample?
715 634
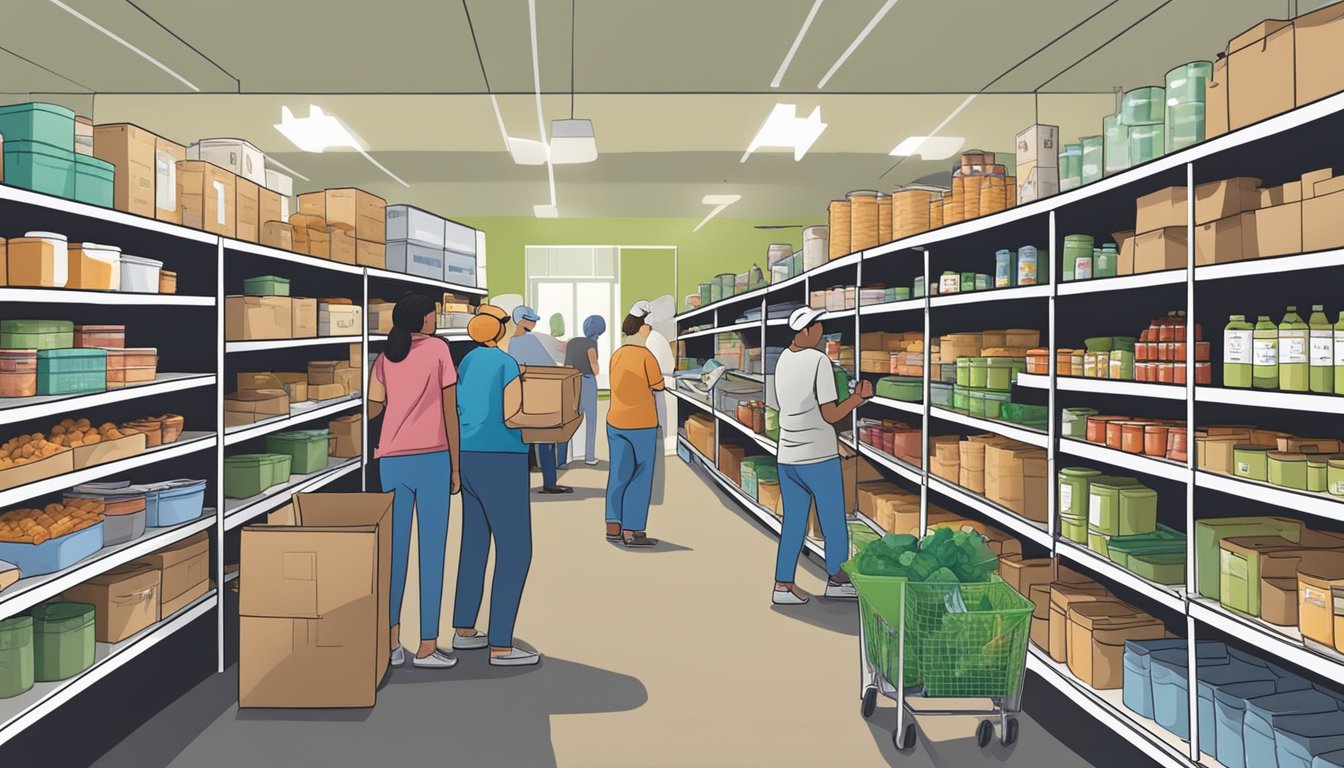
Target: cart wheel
869 702
1010 732
904 741
984 733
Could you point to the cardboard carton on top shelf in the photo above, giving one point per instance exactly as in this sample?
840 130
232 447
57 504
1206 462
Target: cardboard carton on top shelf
206 194
1319 39
1226 240
1159 250
1038 144
1323 220
370 254
1220 199
314 203
248 217
278 234
1124 262
1260 77
268 205
1278 230
304 324
257 318
1161 209
167 154
313 621
1310 179
1036 183
319 244
1328 186
342 245
131 149
363 213
1215 100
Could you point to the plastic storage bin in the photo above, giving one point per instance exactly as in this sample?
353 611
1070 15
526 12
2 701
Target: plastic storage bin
1301 737
123 513
1138 684
306 447
1171 686
71 371
36 334
18 372
415 259
266 285
460 268
1229 711
1121 507
62 640
40 167
249 474
94 267
1029 416
1236 672
39 260
174 502
1265 714
16 656
54 554
140 275
94 180
909 389
38 121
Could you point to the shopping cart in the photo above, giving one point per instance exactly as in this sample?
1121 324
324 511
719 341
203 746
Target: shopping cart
943 641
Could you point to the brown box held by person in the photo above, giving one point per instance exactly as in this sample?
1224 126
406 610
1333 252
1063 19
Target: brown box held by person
550 397
313 618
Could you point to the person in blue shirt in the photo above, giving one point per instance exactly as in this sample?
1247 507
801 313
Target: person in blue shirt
495 501
527 349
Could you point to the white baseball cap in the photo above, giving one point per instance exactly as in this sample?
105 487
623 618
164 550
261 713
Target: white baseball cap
802 317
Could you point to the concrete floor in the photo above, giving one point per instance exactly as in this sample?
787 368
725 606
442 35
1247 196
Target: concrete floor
668 657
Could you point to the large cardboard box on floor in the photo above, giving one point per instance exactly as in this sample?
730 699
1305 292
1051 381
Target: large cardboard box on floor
206 194
313 620
125 600
1319 40
1278 230
1226 240
184 570
1260 77
131 149
1161 209
257 318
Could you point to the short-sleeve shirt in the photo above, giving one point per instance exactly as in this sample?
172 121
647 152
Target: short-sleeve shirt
413 417
484 373
803 381
528 350
576 355
634 375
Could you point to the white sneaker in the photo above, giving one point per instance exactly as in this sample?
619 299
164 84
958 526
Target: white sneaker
844 591
592 463
470 642
516 657
398 656
436 660
787 597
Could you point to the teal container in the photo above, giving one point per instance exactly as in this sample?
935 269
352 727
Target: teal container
16 656
266 285
62 640
1185 126
706 296
94 180
1115 144
71 371
1071 167
961 399
40 167
918 291
1093 167
1146 142
1075 246
1143 106
1104 261
38 121
1005 269
1029 416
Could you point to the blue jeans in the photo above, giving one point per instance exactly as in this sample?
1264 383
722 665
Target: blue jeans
799 486
562 453
630 479
588 408
495 504
422 485
546 458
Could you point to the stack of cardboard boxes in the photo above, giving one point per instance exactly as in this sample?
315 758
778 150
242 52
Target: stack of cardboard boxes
1037 163
260 318
345 225
1006 472
263 395
147 181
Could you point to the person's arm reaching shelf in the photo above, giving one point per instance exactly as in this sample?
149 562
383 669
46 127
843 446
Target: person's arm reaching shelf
377 393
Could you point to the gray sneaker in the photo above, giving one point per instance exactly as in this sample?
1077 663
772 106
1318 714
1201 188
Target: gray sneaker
398 656
435 660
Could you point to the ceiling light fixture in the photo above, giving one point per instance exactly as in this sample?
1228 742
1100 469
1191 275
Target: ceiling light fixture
854 46
320 131
783 128
720 202
125 44
572 140
933 146
546 211
797 41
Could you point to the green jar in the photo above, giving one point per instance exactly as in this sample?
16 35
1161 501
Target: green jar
1123 343
1318 466
1115 144
1288 470
1122 365
994 402
1251 462
1001 371
963 372
1294 368
900 294
1075 246
1265 349
62 640
1097 542
975 401
16 656
1238 359
1334 477
961 401
1098 343
1073 530
1120 506
1074 422
979 373
940 394
967 282
1073 494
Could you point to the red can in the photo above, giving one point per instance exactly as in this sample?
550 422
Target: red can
1115 435
1132 436
1096 427
1166 373
1176 450
1204 373
1202 351
1155 440
1178 351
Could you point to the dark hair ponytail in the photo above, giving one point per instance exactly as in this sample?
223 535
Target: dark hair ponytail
407 317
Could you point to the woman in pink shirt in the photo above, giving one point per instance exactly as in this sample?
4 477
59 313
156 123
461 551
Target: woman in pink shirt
413 386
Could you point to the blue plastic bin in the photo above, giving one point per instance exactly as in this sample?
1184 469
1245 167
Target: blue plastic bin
1264 713
1329 760
174 502
1229 711
55 554
1138 687
1171 691
1301 737
1214 677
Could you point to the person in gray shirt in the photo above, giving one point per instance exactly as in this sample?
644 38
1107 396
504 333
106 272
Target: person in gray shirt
527 350
581 354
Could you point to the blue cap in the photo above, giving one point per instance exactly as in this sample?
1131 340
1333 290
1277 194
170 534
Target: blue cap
525 313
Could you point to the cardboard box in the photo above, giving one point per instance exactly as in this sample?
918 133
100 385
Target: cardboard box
248 217
1215 100
730 461
356 355
251 381
380 316
268 205
1226 240
1159 250
1038 144
1278 230
125 600
131 149
342 246
867 494
1015 477
304 325
1319 39
255 318
348 376
700 434
1221 199
357 211
1036 183
185 572
1062 597
253 405
107 450
206 194
1323 222
314 203
313 620
319 244
767 495
278 234
294 384
971 457
1096 643
1260 78
237 156
1162 209
167 154
1023 573
550 397
348 432
1124 262
1310 179
321 392
370 254
1328 186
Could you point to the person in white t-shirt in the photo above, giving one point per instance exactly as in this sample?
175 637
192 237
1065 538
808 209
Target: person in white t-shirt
809 456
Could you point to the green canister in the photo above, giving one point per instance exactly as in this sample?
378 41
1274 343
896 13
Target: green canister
1073 530
1288 470
1143 106
1265 351
1073 494
975 399
62 640
1334 477
1075 246
994 401
1322 351
1122 365
1251 462
961 400
1120 506
963 372
1146 142
1104 261
1115 140
980 373
1000 372
1074 422
16 656
1092 167
917 292
1082 266
967 282
1294 373
1237 352
1318 471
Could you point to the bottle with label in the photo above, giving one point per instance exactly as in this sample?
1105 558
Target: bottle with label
1265 351
1322 352
1237 352
1339 355
1294 373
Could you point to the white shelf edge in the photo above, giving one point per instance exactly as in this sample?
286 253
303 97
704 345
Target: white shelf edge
688 397
1033 380
1271 265
868 521
1122 283
1264 637
832 314
111 215
60 405
102 298
889 307
1038 439
20 597
290 256
452 334
916 409
999 294
258 346
1169 597
1133 462
907 471
387 274
760 440
1317 504
51 696
240 434
1259 398
1114 387
187 443
1009 520
272 497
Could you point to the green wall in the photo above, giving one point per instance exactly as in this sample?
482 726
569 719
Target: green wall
722 245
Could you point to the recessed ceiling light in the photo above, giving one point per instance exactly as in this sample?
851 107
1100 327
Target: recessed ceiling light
929 147
546 211
720 202
783 128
